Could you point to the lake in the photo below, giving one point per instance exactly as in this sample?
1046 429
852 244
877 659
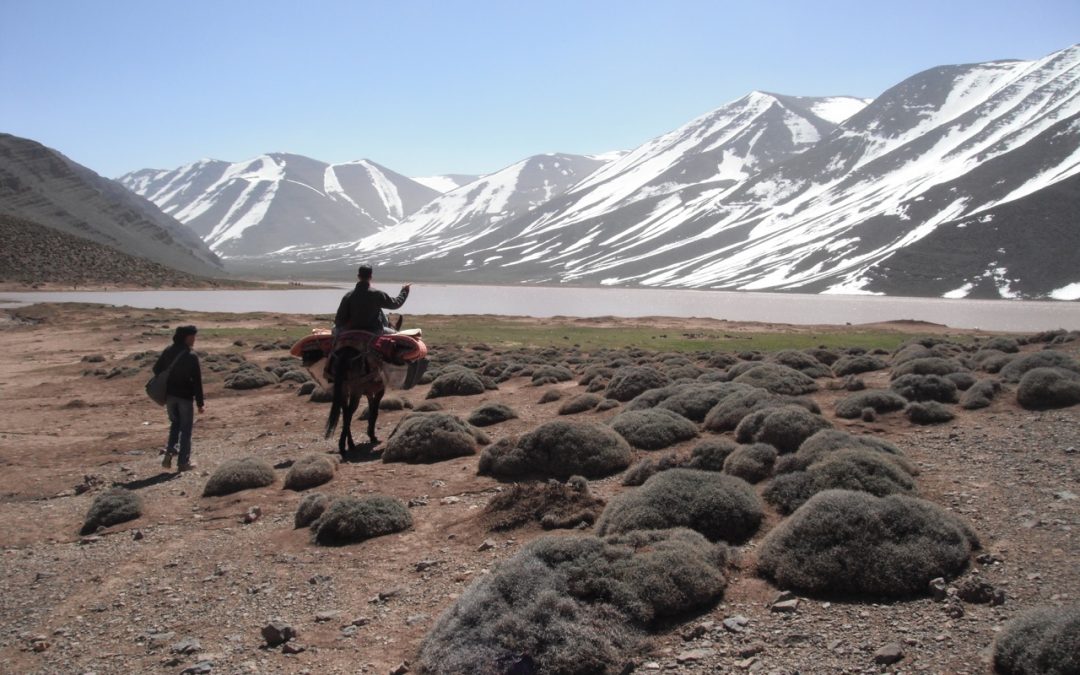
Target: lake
547 301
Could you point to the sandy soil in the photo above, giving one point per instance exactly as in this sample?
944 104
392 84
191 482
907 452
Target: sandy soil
125 600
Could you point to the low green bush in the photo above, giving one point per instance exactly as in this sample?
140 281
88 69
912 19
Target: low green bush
234 475
1040 641
114 506
558 449
349 520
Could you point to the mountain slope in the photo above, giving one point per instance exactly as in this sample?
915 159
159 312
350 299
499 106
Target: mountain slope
40 185
280 200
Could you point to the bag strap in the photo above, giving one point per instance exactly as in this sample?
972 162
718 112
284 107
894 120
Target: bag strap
174 362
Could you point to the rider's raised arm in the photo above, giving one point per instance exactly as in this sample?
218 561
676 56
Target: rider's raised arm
386 302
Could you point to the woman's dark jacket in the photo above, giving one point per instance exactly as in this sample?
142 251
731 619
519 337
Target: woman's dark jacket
185 379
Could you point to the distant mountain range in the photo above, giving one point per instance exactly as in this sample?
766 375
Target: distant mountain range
40 187
960 181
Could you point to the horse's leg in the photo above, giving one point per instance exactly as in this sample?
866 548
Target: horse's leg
354 403
373 413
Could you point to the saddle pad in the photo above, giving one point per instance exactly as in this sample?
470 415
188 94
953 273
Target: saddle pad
396 347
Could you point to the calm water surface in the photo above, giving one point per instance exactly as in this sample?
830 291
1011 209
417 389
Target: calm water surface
544 301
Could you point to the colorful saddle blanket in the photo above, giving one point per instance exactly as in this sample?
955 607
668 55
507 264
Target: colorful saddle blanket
396 348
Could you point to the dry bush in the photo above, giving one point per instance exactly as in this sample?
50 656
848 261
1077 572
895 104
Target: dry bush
310 508
1016 368
574 605
491 413
653 429
726 415
861 470
925 388
1002 344
550 395
646 468
752 463
980 394
932 365
784 427
802 362
558 449
629 381
718 506
456 382
910 352
553 504
928 412
855 364
694 401
551 375
349 520
423 438
711 453
827 441
963 381
117 505
1041 641
238 474
1045 388
778 379
881 400
579 404
855 544
310 471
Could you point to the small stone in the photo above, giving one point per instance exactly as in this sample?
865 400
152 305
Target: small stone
1065 495
997 597
746 664
954 609
889 654
694 633
425 565
186 646
447 501
40 645
137 535
414 618
939 589
200 668
975 591
278 632
360 621
785 606
750 650
694 655
987 559
252 515
326 615
651 665
349 631
401 668
292 648
487 545
834 645
736 624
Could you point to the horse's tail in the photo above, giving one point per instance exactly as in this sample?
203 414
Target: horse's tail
340 373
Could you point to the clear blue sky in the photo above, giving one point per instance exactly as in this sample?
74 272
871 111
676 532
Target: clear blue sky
426 87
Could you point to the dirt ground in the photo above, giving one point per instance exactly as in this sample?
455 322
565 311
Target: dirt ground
190 584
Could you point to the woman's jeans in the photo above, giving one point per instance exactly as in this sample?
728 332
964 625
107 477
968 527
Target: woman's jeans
182 418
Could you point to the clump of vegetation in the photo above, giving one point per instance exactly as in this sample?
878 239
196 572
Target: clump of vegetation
980 394
857 363
423 438
629 381
881 400
1041 641
1002 344
694 401
778 379
801 361
311 507
963 381
234 475
853 543
718 506
117 505
648 467
861 469
574 605
349 520
553 504
753 463
310 471
550 375
456 382
558 449
654 428
932 365
491 413
928 412
784 427
726 415
828 441
711 453
579 404
1016 368
249 376
925 388
1044 388
550 395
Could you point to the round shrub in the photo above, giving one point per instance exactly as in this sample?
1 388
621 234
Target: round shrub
574 605
711 453
595 373
925 388
654 428
963 381
551 374
718 506
910 352
1041 641
802 362
650 398
579 404
117 505
731 409
428 406
646 468
933 365
694 401
1044 359
828 441
928 412
250 378
1002 344
752 463
550 395
553 504
239 474
778 379
311 507
309 472
490 413
881 400
853 543
859 363
785 427
1044 388
350 519
860 470
980 394
606 404
629 381
558 449
423 438
457 382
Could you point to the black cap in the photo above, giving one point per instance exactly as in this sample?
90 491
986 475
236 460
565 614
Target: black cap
364 272
184 331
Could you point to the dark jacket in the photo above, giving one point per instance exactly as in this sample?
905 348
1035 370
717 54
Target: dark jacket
361 308
185 379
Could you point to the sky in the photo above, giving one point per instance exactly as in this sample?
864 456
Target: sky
454 86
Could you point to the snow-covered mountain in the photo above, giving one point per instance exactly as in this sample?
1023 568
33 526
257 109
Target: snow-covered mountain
447 182
280 200
961 181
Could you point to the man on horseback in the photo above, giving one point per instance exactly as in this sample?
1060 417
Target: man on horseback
362 307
